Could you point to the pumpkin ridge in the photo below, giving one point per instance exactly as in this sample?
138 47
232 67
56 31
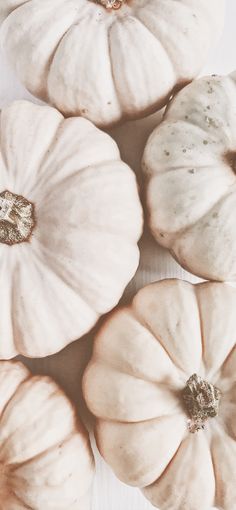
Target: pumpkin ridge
159 339
27 507
9 401
14 9
157 40
181 232
27 380
45 156
18 465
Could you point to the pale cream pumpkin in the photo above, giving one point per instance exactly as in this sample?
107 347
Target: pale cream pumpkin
190 168
46 462
70 219
162 383
108 62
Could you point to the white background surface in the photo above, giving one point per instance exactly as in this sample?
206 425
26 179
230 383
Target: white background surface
67 366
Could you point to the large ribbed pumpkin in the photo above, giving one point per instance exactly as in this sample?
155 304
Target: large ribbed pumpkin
190 169
162 385
111 59
46 461
70 219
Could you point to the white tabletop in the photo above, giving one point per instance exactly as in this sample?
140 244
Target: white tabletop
156 263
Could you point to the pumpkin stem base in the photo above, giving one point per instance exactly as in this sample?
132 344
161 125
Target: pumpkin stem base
16 218
201 400
111 4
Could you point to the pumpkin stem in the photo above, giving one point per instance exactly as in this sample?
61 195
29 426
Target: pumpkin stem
16 218
111 4
201 400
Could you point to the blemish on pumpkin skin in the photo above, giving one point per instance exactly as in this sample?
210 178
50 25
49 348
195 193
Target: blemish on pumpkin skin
205 142
184 150
215 215
191 171
166 153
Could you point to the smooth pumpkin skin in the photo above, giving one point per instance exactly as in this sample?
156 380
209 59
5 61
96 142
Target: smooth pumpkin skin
108 65
46 461
83 250
190 168
147 352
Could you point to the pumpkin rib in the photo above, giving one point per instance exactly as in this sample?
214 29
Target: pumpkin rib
51 146
157 40
22 503
179 235
22 113
159 339
163 498
221 498
111 435
54 55
59 275
15 8
111 64
228 357
10 402
54 269
145 325
16 466
24 348
161 41
128 369
13 395
181 232
200 322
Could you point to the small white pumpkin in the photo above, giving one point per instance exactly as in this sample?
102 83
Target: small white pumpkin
70 219
162 384
104 62
190 168
46 462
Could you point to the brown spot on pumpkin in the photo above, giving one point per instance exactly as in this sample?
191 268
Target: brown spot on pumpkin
205 142
215 215
166 153
191 171
184 150
186 117
108 102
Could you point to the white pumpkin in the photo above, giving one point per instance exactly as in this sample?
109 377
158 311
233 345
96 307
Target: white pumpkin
190 167
110 63
46 462
70 219
162 384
